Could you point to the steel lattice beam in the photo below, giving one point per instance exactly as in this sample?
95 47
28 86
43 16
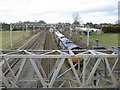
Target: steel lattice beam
81 77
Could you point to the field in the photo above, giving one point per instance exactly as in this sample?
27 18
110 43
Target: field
109 39
18 39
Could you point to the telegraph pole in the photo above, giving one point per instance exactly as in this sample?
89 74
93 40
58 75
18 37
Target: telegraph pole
88 36
23 30
33 29
11 45
22 27
26 31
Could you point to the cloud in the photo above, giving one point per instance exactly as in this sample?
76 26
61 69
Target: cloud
53 11
99 17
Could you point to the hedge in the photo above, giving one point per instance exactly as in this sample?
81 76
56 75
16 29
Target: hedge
111 29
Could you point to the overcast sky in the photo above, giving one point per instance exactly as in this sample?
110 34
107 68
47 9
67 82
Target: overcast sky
54 11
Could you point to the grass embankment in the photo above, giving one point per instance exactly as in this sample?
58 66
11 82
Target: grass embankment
19 38
106 39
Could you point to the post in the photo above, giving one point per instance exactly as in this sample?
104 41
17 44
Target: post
88 37
11 45
22 27
33 29
23 30
96 43
26 31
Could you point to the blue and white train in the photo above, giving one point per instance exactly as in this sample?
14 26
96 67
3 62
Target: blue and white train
66 44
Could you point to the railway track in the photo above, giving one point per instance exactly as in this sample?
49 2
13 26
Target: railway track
28 72
48 64
37 43
43 41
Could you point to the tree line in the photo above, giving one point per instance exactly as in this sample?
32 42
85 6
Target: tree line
6 26
111 29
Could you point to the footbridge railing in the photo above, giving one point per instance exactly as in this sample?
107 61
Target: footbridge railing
54 68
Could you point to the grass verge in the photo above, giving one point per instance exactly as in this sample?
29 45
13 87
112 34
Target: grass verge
19 39
105 39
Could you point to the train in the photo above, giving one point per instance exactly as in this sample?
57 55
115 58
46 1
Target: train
67 44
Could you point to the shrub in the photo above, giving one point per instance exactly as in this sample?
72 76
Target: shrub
111 29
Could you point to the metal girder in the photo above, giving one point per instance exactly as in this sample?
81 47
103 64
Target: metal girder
38 73
56 72
66 71
6 82
11 71
110 72
93 71
84 72
57 56
38 62
115 63
62 84
82 77
41 68
20 70
54 68
75 72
